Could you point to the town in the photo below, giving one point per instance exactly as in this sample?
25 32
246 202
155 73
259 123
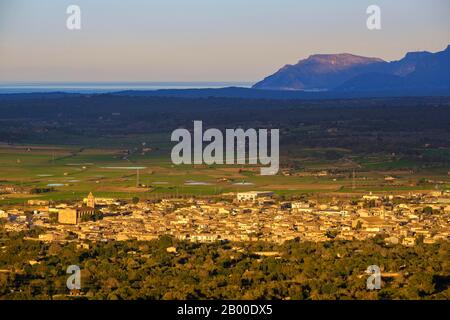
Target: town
239 217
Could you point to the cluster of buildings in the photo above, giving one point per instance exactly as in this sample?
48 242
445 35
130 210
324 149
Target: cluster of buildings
248 216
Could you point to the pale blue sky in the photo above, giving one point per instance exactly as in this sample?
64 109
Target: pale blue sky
203 40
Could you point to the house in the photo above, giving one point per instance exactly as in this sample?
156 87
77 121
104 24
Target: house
253 195
4 214
391 240
409 241
37 202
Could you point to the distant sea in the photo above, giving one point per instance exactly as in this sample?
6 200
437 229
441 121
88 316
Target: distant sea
104 87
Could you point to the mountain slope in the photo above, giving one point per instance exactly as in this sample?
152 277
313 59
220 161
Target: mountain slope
417 71
319 72
348 73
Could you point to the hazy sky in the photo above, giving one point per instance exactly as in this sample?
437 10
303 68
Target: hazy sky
203 40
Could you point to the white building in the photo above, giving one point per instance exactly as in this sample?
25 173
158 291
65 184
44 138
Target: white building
3 214
253 195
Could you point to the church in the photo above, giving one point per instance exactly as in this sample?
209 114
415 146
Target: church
79 214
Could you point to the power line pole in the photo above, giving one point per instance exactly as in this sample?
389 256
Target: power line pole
353 180
137 178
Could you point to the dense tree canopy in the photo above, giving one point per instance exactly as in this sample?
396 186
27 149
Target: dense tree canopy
146 270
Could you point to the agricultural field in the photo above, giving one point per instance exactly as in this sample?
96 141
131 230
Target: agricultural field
69 145
70 172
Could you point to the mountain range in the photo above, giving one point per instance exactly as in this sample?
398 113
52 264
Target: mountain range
346 72
325 76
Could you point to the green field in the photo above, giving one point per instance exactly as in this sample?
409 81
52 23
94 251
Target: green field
73 171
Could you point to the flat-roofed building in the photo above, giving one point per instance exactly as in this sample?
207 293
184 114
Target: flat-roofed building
253 195
37 202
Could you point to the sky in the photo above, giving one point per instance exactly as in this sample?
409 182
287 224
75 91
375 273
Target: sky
204 40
